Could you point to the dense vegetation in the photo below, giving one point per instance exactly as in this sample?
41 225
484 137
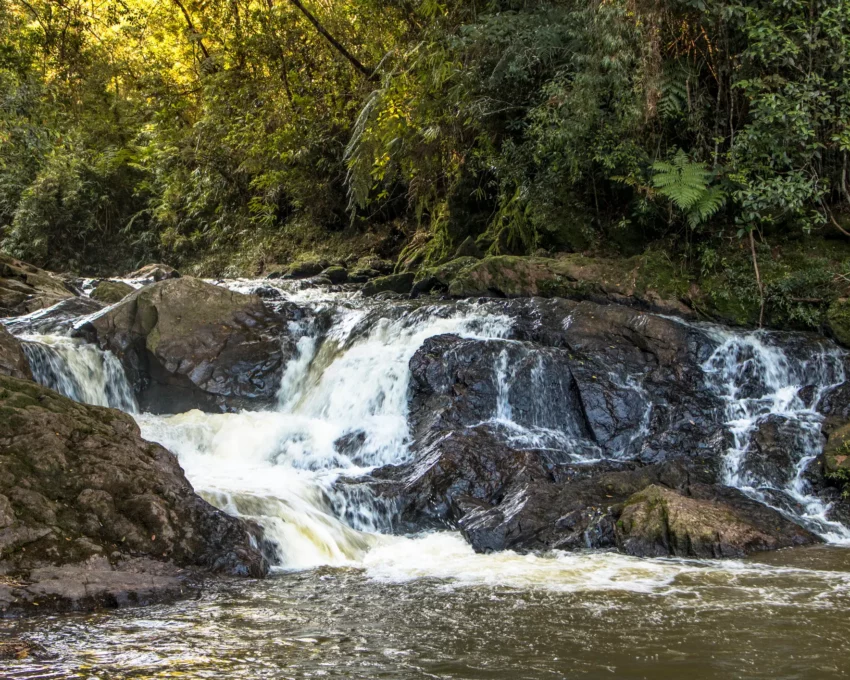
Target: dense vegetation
190 130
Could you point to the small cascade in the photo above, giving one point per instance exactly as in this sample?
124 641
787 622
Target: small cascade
80 371
764 386
342 410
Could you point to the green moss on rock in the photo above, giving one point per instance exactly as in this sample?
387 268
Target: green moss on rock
110 292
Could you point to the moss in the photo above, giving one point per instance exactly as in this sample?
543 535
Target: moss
657 273
838 316
111 292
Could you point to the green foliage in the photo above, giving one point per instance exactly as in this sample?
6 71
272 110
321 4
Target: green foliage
136 129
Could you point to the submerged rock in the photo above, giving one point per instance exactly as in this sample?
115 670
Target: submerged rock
110 292
13 361
25 288
189 344
78 483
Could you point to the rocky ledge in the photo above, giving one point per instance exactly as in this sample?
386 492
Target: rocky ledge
93 515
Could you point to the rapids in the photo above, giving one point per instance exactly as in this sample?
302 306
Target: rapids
350 599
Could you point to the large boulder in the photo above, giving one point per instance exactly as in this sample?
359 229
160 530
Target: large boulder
110 292
79 485
25 288
189 344
715 522
13 361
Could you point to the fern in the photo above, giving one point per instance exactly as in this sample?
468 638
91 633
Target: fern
687 186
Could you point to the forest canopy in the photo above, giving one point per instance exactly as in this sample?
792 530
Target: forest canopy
133 130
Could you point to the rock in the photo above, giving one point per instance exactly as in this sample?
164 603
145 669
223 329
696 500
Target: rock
440 277
189 344
95 584
13 361
78 482
394 283
154 272
25 288
362 275
305 269
56 320
836 452
469 248
658 522
336 275
774 450
376 264
643 281
838 316
110 292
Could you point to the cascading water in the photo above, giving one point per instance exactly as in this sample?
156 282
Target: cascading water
80 371
342 410
758 381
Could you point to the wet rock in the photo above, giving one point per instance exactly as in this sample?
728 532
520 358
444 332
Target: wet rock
95 584
774 449
155 272
715 522
25 288
56 320
394 283
110 292
188 344
78 482
13 361
335 275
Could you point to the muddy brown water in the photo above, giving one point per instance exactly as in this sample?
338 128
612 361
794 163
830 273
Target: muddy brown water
775 616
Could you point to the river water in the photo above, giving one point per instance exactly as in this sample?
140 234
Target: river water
350 600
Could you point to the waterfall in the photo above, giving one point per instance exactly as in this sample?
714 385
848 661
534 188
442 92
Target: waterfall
342 410
758 381
78 370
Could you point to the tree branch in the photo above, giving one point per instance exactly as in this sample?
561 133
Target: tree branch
365 70
192 28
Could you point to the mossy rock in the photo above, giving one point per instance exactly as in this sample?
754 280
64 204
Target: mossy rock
838 317
110 292
335 275
394 283
837 449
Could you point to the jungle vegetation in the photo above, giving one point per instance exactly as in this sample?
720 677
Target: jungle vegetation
139 130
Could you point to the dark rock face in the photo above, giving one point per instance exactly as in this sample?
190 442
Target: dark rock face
13 361
592 426
78 482
188 344
25 288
